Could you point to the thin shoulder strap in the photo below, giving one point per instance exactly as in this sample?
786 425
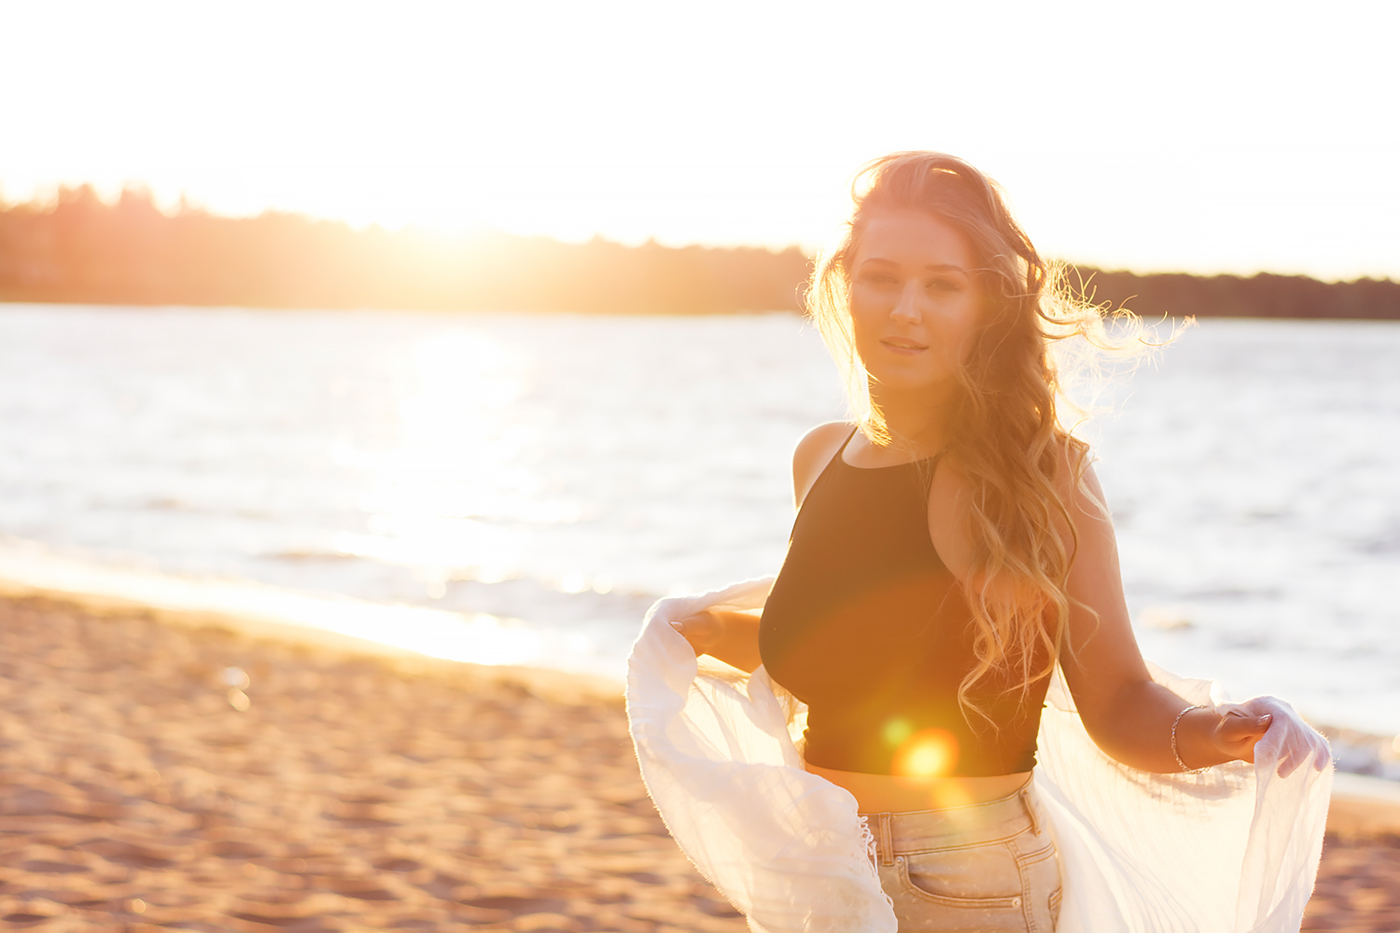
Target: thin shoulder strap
842 449
836 456
826 468
839 452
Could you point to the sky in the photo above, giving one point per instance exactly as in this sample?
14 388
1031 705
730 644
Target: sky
1203 137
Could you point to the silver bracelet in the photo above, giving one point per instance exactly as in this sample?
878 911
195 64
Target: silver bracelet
1176 754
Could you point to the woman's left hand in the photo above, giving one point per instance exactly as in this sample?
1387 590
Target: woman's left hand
1266 728
1238 731
1289 741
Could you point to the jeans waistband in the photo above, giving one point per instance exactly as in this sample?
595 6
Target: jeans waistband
909 832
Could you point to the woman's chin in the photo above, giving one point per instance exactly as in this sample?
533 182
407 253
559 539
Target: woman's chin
895 381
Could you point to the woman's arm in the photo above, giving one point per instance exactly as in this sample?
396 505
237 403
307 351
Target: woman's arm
726 634
730 635
1129 715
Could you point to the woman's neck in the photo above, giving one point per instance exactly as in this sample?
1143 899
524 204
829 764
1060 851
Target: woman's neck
917 425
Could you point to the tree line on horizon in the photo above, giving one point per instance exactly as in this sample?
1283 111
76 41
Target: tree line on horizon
81 249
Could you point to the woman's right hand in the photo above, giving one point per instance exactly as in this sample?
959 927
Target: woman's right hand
727 635
703 630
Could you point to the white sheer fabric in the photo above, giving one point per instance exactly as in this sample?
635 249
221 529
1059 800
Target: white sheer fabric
1233 850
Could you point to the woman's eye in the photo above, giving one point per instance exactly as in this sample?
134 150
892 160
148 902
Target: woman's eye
943 285
880 279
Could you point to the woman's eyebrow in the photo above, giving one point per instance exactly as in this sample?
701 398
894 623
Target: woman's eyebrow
931 267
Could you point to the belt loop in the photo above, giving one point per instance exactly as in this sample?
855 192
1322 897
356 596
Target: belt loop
884 838
1030 809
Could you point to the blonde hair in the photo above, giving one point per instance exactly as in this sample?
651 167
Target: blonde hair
1004 430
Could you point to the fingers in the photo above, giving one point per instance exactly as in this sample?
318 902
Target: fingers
1323 757
1239 730
1308 748
1294 742
1304 748
1237 724
702 630
1289 761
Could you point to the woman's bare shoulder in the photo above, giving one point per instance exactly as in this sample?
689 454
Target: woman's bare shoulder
1075 479
814 452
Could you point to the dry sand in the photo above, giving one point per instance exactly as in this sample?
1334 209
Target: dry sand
139 790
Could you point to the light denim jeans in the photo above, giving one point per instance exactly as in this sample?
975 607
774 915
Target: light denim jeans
981 868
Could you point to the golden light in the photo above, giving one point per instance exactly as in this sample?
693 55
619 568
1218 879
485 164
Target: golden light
461 116
440 494
926 753
896 730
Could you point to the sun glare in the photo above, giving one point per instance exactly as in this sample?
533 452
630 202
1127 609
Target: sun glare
464 116
453 491
926 753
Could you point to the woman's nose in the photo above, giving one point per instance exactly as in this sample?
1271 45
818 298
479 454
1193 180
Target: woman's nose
908 308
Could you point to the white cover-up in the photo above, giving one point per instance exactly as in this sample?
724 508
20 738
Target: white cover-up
1233 850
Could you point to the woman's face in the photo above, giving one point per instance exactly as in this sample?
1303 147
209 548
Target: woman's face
914 300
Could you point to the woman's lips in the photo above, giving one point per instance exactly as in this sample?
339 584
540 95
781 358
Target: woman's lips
900 345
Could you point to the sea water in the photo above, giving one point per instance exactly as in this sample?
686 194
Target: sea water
525 486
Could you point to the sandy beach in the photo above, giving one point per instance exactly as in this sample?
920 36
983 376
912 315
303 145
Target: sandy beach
176 776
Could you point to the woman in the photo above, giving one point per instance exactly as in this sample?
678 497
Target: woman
951 548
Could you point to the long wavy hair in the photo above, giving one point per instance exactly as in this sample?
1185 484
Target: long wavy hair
1005 433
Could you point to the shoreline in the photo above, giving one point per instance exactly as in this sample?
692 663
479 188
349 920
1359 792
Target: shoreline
1357 790
257 611
185 771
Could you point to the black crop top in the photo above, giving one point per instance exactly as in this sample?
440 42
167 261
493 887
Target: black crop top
867 626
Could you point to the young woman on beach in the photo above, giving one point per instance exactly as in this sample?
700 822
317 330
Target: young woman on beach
951 548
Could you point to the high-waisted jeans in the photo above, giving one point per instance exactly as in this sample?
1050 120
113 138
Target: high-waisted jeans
985 867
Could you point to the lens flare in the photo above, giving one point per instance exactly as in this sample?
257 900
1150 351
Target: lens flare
896 731
927 753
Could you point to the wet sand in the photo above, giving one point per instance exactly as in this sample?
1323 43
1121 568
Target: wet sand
176 776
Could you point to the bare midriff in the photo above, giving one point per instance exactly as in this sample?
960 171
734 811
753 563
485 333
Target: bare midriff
882 793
